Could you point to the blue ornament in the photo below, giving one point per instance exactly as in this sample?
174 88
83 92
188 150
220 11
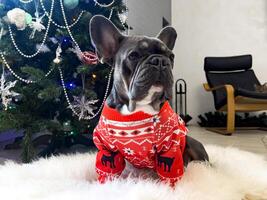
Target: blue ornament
71 85
71 4
66 42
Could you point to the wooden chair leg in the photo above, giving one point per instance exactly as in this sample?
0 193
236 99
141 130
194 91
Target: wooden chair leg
230 121
230 111
230 127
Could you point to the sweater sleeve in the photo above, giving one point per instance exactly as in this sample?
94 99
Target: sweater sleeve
170 165
109 161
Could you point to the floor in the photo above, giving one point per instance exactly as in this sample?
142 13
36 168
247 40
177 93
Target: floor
250 140
253 141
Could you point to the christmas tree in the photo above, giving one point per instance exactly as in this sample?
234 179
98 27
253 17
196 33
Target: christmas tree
51 78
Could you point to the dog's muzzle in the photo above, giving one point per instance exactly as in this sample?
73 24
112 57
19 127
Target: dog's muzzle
155 70
159 62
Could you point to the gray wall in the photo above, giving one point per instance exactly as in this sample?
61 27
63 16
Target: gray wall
145 16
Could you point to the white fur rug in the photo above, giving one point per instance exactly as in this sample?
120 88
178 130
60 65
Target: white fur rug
233 174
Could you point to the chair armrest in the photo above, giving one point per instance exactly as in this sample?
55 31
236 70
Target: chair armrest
228 88
230 91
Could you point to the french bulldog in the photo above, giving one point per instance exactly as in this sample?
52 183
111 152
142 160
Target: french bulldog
143 83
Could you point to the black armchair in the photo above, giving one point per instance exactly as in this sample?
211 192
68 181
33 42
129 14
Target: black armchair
232 82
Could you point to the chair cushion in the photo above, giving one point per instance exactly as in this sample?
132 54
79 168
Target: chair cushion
242 79
234 63
251 94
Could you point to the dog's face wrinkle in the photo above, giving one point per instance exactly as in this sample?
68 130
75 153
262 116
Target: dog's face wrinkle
118 96
135 77
142 81
144 65
136 71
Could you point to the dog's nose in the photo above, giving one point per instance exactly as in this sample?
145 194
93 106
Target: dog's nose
159 61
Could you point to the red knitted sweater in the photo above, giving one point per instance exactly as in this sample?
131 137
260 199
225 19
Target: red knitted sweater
146 141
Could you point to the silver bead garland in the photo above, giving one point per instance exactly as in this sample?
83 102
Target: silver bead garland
111 13
16 75
122 23
61 74
67 26
56 24
104 5
43 41
26 1
68 100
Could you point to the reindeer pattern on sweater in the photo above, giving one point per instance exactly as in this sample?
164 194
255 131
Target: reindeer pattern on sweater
146 141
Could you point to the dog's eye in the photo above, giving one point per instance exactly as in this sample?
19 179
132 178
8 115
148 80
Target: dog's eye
171 57
134 55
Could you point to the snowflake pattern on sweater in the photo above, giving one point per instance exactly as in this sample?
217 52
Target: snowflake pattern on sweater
146 141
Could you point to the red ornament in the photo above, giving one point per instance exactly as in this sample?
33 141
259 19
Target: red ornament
89 58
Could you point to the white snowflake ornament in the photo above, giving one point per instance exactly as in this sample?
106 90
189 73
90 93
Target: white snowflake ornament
36 24
6 94
83 106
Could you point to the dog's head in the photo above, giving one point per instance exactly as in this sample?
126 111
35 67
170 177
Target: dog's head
143 65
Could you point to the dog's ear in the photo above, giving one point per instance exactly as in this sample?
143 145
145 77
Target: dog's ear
168 36
105 37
